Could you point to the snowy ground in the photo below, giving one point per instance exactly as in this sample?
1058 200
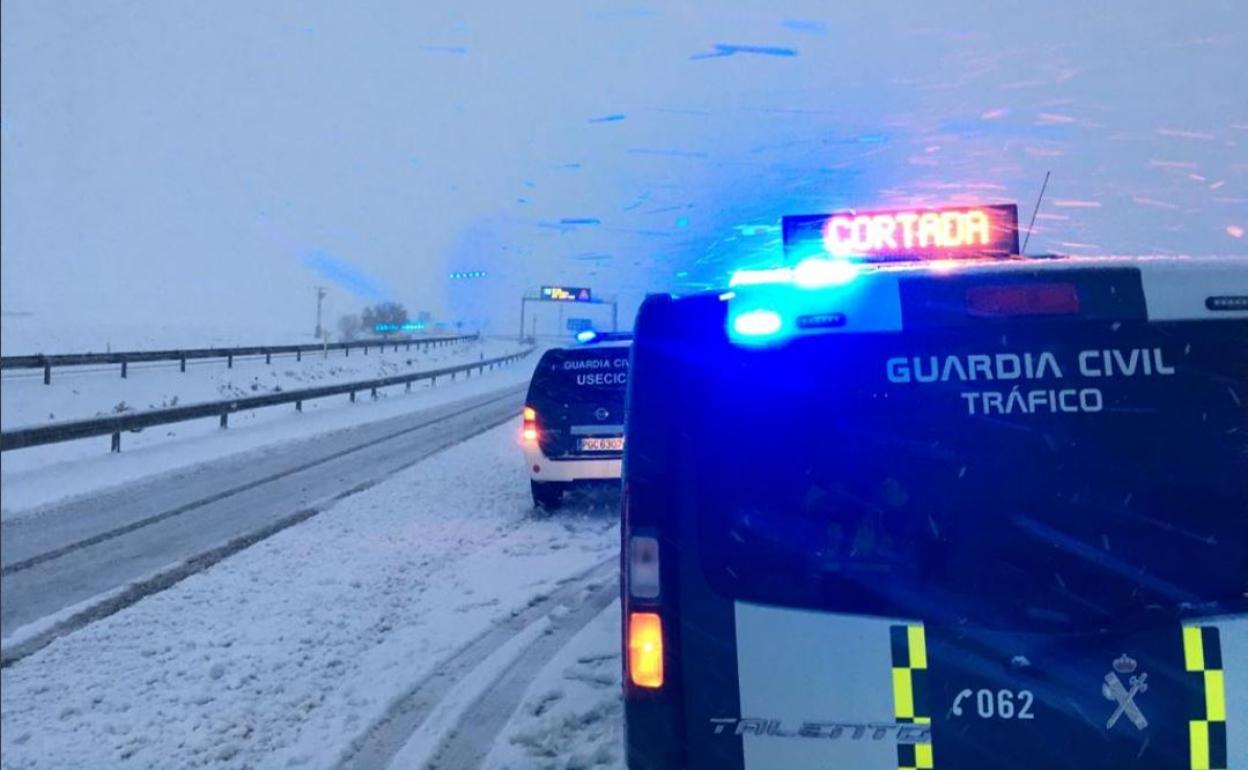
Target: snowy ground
572 714
35 477
284 654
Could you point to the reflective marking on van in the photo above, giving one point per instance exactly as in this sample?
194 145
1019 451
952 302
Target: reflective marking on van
1204 660
908 645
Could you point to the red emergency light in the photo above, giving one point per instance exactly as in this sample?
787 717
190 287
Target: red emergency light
956 232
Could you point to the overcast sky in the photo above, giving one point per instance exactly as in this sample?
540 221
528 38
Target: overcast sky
214 161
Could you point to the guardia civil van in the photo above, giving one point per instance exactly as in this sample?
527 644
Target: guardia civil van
972 512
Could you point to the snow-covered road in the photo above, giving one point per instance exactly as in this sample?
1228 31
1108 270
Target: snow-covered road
33 479
90 556
33 476
420 593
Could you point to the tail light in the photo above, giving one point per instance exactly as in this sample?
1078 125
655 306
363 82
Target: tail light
1024 299
645 649
530 424
643 567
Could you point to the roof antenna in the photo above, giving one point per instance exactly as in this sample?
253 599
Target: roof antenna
1035 211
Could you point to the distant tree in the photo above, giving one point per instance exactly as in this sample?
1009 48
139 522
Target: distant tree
349 327
390 313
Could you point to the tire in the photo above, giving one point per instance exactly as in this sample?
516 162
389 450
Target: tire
547 495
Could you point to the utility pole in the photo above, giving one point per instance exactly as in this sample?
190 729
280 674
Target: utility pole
320 297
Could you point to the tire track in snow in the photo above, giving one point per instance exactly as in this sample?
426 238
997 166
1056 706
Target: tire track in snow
469 743
467 740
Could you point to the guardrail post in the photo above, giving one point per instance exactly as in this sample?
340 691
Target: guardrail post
229 361
366 350
408 389
452 376
47 374
123 369
298 355
268 357
433 382
353 396
182 366
373 394
225 419
116 443
347 351
408 346
298 406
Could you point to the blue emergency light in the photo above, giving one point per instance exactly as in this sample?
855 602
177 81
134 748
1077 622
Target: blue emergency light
773 311
757 323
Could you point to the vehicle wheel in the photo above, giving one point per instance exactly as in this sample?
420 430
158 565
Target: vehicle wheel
547 495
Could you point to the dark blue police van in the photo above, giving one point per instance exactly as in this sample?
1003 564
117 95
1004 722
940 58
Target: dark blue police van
983 514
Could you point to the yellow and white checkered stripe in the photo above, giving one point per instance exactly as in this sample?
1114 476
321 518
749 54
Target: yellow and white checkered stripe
910 692
1202 657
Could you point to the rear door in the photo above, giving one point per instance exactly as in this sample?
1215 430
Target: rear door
975 541
578 394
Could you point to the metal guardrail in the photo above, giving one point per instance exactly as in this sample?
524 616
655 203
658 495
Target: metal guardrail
46 362
115 425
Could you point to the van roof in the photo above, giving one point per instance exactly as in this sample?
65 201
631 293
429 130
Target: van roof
595 346
1174 287
1053 262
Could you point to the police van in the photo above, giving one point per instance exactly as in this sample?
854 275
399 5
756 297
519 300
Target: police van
970 513
574 416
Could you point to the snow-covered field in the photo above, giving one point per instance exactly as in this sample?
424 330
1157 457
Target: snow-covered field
84 392
286 653
38 476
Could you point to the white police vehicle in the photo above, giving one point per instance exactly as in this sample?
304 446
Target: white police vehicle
990 513
574 416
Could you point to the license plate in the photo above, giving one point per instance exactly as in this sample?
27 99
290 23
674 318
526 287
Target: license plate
615 444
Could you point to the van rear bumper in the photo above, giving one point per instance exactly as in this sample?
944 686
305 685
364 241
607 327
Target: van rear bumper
569 470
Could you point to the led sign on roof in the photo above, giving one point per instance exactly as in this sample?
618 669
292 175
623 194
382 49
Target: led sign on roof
898 234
